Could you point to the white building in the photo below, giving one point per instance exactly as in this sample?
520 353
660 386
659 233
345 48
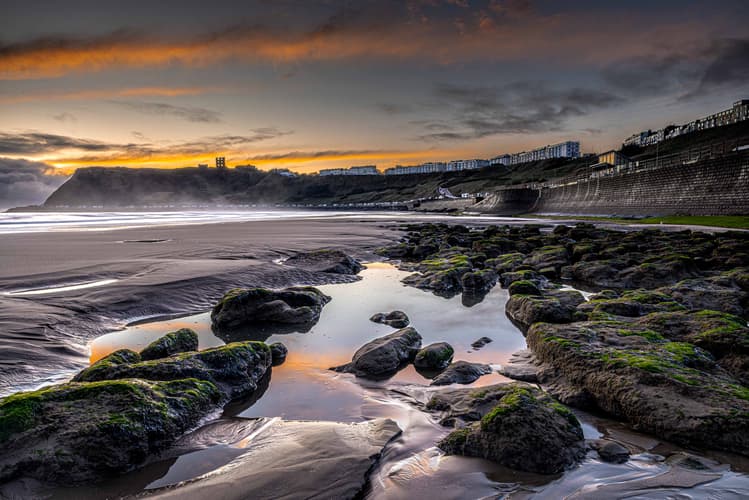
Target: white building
737 113
501 160
359 170
567 149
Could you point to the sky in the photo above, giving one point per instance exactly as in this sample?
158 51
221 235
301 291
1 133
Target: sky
311 84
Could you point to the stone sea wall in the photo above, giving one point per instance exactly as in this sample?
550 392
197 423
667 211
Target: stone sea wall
716 186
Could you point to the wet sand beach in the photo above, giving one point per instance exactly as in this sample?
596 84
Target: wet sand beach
166 270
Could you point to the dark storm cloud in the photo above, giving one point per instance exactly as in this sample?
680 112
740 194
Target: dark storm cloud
521 107
188 113
717 65
25 182
28 143
729 67
39 142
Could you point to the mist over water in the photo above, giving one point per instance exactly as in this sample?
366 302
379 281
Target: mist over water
40 222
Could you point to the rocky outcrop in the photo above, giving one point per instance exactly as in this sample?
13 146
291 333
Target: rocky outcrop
461 372
121 410
396 319
182 340
384 356
325 261
516 425
434 357
672 389
252 306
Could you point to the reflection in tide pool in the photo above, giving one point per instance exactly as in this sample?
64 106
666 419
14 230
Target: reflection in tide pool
344 326
411 467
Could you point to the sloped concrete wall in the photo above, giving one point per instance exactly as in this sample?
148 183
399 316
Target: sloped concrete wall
717 186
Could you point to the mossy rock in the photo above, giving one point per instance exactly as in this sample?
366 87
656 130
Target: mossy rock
523 287
434 356
81 432
518 426
182 340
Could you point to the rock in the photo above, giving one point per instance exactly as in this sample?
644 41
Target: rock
78 432
631 304
182 340
725 336
121 410
506 262
441 274
555 306
396 319
478 344
551 257
521 366
716 294
461 372
293 460
294 306
479 282
384 356
278 353
325 261
610 451
523 287
516 425
434 356
234 368
507 279
671 389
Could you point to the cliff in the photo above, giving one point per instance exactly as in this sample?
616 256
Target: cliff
129 187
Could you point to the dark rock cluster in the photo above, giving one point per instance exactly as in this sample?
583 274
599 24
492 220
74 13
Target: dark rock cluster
663 344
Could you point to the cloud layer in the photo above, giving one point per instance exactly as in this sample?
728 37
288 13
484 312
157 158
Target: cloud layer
25 182
439 31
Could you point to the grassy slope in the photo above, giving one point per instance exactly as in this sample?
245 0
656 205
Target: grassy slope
728 221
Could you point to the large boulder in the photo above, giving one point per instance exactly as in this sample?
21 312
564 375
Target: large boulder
252 306
182 340
434 356
516 425
78 432
461 372
479 282
384 356
396 319
325 261
554 306
234 368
